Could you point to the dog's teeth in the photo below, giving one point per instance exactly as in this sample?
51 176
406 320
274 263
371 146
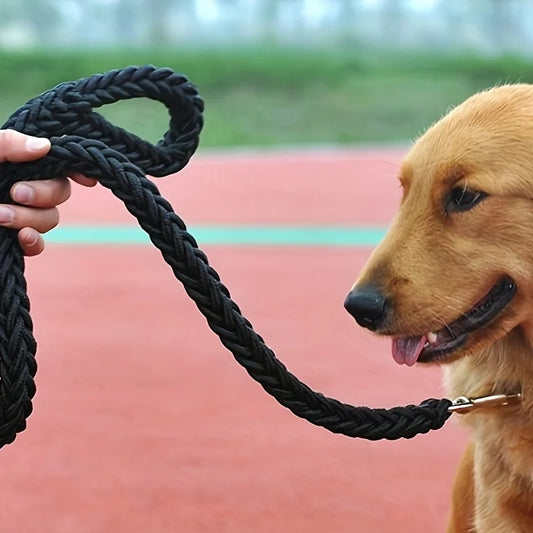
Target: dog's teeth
431 337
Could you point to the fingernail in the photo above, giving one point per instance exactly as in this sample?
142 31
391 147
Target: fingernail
36 144
23 194
32 238
6 215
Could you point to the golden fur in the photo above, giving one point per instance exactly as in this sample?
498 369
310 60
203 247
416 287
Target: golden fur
435 266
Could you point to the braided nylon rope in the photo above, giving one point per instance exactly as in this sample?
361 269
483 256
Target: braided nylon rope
84 141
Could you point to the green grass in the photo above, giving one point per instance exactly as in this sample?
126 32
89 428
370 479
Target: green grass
274 96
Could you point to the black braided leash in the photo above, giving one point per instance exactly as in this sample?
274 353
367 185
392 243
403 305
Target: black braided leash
83 141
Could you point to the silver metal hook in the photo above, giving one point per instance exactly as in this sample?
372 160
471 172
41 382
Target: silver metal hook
463 404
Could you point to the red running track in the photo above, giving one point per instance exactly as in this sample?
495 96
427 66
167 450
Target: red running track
144 422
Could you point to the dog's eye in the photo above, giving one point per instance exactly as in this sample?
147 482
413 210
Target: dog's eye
462 199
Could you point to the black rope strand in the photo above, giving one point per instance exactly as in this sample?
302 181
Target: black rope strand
86 142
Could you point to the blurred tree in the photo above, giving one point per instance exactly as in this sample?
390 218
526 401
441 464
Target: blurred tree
159 23
348 16
124 16
271 14
43 16
392 13
502 26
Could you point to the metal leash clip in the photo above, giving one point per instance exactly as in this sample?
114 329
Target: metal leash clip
463 404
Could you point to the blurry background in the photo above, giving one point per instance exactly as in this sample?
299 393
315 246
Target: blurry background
142 420
277 71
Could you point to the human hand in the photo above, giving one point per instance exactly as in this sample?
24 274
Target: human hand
36 210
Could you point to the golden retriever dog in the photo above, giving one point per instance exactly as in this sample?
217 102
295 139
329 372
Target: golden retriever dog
452 284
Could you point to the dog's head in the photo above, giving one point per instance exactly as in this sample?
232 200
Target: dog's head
455 271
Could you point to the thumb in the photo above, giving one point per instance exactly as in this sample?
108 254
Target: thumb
18 147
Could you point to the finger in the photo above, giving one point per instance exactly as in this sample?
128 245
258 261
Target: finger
30 241
83 180
18 217
17 147
45 193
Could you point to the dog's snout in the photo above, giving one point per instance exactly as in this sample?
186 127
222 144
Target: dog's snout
367 305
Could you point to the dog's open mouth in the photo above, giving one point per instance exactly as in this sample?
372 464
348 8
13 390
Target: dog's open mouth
435 345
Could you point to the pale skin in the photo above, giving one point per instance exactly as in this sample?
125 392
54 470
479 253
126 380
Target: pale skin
35 210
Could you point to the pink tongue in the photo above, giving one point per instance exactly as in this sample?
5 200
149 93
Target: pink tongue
406 350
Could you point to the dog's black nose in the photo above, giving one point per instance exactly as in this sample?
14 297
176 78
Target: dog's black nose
367 305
